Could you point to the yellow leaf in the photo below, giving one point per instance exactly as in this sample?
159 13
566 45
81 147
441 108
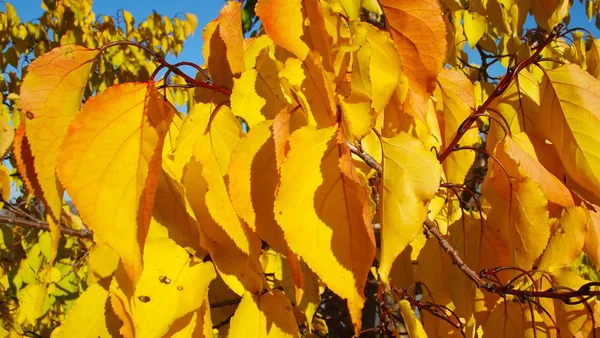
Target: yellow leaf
194 324
217 65
413 325
232 245
173 284
457 101
567 240
549 13
230 30
257 94
475 26
511 318
129 21
359 118
297 26
352 8
103 261
4 184
89 316
253 180
193 126
11 15
569 319
332 201
313 88
266 315
24 161
31 303
592 237
411 177
571 121
110 164
172 210
521 217
50 96
191 22
213 150
524 150
593 59
414 25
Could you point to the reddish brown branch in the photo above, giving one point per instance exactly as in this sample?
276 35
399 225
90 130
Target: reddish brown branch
12 220
456 259
511 74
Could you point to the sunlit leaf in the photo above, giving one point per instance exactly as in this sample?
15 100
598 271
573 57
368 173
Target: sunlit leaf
331 201
411 177
231 243
230 30
297 26
413 325
88 317
567 240
173 284
51 95
571 121
253 180
110 165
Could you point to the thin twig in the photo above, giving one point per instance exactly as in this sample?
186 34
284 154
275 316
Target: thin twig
366 157
432 228
41 225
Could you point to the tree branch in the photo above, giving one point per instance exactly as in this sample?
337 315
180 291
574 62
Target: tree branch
366 157
432 228
41 225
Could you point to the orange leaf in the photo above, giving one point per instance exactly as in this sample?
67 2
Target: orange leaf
330 200
257 94
522 150
24 161
230 30
50 97
233 247
215 53
110 164
296 25
414 25
253 180
314 91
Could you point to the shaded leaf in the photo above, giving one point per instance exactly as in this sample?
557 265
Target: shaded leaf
413 25
266 315
331 201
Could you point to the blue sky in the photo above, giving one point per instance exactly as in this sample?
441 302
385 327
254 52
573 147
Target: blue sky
205 10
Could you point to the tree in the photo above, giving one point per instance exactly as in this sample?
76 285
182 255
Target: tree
345 171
